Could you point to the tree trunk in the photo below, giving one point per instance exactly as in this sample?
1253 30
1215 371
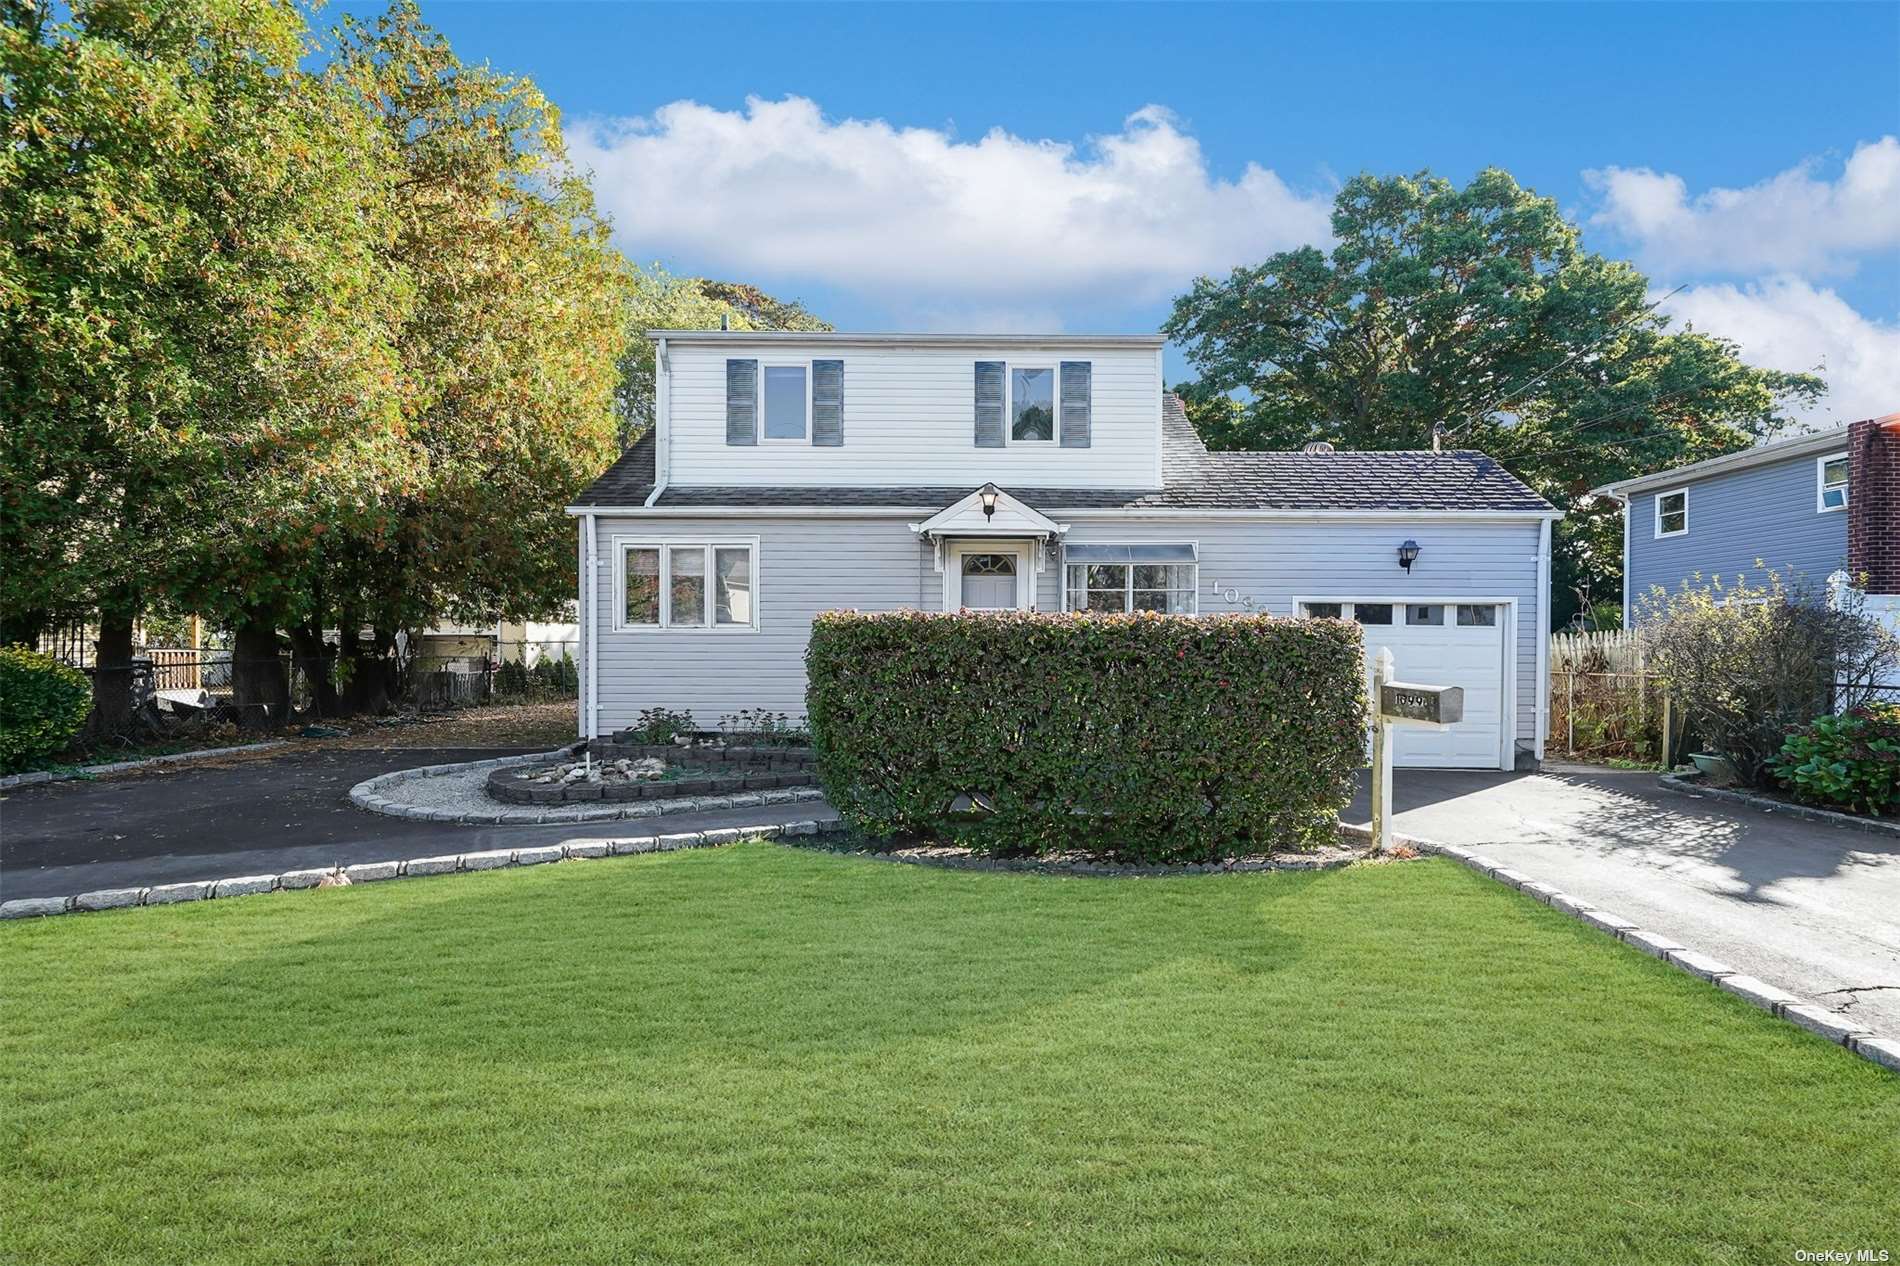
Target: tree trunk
112 673
258 679
313 661
371 680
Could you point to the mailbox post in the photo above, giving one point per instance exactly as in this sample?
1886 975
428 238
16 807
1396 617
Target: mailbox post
1401 703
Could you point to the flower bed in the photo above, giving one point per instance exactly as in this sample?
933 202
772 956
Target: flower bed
623 771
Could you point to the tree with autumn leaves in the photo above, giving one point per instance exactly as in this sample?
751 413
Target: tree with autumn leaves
293 350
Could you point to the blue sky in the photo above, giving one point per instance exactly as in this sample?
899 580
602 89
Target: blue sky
838 153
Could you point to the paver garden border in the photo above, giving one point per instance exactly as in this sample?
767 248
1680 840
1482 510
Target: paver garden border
1686 785
370 794
41 776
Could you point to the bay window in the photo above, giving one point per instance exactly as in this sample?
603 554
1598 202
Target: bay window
687 585
1123 578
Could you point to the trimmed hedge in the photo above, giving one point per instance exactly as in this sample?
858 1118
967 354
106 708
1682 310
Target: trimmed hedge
1142 737
42 705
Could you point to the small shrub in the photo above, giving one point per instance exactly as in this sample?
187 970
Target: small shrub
1146 737
1747 663
42 705
761 727
660 725
1851 761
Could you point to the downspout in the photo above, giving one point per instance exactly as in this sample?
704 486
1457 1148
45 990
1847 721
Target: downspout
662 422
1543 637
591 703
583 602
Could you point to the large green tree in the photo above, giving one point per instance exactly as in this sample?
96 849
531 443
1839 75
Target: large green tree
657 300
194 324
1475 312
507 359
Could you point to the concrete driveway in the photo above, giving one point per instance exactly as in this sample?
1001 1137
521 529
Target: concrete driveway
1812 908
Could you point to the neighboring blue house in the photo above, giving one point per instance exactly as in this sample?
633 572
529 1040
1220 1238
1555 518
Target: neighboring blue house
1784 504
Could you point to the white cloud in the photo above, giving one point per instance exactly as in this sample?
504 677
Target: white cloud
1797 222
779 191
1787 323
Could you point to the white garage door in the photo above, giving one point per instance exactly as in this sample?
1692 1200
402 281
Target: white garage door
1440 644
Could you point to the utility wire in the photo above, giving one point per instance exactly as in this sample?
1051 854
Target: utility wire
1591 346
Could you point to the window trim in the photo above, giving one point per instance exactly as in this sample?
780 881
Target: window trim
1684 529
1821 484
621 544
810 398
1128 586
1009 403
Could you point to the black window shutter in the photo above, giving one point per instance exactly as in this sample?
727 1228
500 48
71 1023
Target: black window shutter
742 402
1077 378
989 404
827 403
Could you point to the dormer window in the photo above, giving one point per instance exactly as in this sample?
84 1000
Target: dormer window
1032 404
787 396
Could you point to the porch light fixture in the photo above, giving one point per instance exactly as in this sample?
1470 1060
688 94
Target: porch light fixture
1408 554
987 494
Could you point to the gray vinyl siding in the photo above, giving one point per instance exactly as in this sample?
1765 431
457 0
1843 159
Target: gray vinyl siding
806 566
1766 513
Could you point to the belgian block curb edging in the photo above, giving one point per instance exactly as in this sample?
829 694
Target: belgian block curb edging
42 776
413 868
1779 1003
1685 786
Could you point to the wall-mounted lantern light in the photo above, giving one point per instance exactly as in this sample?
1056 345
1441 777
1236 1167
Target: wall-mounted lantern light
1408 554
987 494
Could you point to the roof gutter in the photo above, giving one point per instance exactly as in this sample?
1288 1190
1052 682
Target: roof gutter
1760 455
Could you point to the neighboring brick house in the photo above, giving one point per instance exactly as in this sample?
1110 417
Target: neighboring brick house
1814 505
1873 522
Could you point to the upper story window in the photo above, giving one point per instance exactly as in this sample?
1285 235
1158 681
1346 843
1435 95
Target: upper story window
1672 512
687 585
1831 483
1032 405
787 400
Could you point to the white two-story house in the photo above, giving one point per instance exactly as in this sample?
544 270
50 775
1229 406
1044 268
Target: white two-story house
794 473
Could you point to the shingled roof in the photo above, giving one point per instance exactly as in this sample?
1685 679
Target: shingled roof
1192 479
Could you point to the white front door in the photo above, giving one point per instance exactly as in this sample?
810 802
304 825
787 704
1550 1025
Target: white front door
987 576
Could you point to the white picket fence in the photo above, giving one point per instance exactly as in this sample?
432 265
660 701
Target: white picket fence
1608 651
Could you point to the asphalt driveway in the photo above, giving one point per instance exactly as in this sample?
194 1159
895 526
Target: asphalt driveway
1812 908
260 817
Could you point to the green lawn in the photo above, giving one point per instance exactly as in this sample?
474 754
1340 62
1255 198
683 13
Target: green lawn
761 1055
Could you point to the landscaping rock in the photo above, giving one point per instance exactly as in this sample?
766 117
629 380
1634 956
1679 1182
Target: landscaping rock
370 872
172 894
244 886
493 859
1831 1025
1650 943
446 865
1759 992
109 899
537 856
33 907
